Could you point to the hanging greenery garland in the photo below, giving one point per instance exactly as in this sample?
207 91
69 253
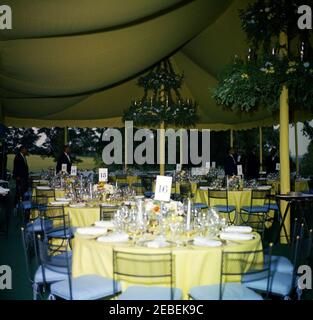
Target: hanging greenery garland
257 81
162 101
244 87
265 19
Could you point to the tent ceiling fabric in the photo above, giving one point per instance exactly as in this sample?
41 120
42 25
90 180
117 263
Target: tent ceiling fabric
69 62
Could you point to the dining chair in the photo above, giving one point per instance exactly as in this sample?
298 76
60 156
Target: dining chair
256 214
86 287
107 212
34 270
283 276
218 199
237 267
150 275
55 223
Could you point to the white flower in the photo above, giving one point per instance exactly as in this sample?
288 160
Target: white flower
306 64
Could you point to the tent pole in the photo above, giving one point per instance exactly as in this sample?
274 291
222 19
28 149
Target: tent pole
261 148
125 148
162 149
181 154
284 140
65 135
297 148
231 138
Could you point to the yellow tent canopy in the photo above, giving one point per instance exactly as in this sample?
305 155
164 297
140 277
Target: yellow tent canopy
76 63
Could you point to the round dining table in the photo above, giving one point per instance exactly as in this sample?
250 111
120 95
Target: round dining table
193 266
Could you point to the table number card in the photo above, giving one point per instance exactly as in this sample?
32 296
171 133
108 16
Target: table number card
207 168
178 168
74 171
163 188
103 175
64 167
277 166
239 170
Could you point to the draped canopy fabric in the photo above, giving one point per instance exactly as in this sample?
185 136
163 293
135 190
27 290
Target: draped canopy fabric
76 62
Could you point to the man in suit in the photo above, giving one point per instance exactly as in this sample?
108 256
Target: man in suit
20 173
231 163
271 161
64 159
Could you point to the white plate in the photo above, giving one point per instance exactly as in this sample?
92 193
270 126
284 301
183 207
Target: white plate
91 232
78 205
105 224
114 238
63 199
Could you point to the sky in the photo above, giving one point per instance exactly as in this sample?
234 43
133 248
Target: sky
302 140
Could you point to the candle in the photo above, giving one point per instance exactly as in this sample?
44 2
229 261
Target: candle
302 51
140 211
188 214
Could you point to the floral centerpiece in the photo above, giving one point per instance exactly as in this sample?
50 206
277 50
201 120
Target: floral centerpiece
216 178
234 183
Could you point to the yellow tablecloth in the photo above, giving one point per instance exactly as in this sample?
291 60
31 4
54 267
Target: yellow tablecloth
299 186
235 198
83 217
129 179
193 266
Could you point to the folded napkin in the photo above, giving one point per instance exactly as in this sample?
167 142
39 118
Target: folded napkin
155 244
264 188
59 203
92 231
114 237
4 190
105 224
205 242
238 229
43 188
236 236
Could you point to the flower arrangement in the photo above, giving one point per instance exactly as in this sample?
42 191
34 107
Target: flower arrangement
105 188
234 183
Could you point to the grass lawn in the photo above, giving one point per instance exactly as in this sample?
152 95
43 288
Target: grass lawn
37 163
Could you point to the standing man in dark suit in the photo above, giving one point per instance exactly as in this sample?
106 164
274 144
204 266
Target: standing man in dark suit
231 163
20 173
64 159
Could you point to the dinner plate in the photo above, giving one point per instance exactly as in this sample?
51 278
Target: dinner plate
77 205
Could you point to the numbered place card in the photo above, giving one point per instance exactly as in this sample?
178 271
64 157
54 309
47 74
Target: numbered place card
74 171
208 165
239 170
178 167
64 167
163 188
103 174
277 166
